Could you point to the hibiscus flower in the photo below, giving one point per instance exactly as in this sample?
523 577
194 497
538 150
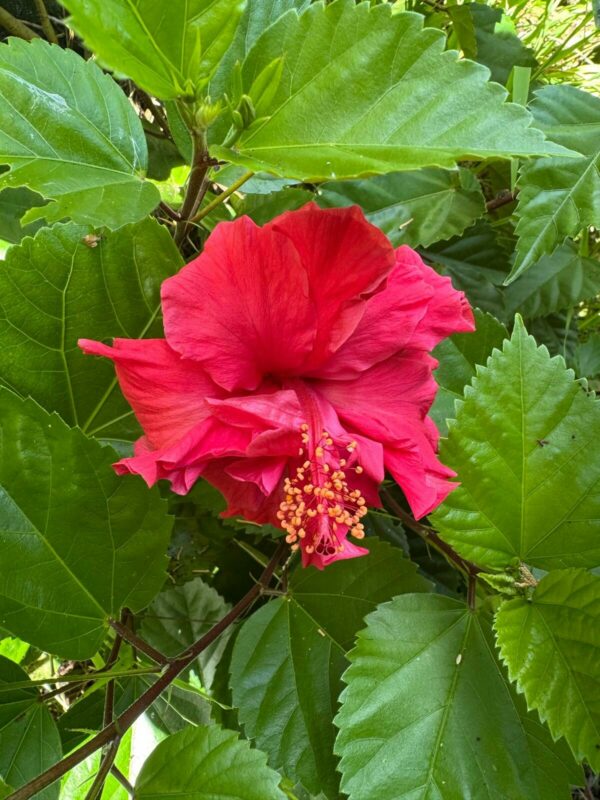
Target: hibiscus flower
294 371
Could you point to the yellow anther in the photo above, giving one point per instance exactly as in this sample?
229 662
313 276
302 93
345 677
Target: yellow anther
358 469
304 427
319 451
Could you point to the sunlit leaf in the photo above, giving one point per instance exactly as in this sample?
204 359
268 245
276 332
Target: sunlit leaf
169 49
551 646
205 764
71 135
522 446
425 108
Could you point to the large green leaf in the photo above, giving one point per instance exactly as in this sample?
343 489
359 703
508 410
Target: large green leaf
529 472
169 49
206 764
77 543
54 289
559 197
29 740
71 134
180 615
329 117
414 208
560 280
551 646
428 713
289 656
458 357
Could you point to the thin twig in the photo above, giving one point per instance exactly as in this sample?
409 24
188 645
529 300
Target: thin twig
133 639
222 197
47 26
430 536
502 199
15 26
122 780
170 212
124 721
108 760
197 184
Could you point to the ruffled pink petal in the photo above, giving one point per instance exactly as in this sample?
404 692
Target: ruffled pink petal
378 401
390 320
416 469
167 393
242 308
388 403
244 498
416 309
275 300
346 259
265 472
448 311
183 462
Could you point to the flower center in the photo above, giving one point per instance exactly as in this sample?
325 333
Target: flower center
320 508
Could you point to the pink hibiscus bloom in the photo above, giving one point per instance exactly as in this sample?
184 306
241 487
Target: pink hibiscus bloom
295 369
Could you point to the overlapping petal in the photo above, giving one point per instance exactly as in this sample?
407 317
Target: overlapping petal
167 394
275 300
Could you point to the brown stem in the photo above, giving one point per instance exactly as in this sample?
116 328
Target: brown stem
502 199
222 197
15 26
105 766
430 536
47 27
155 110
170 212
122 723
133 639
122 780
197 184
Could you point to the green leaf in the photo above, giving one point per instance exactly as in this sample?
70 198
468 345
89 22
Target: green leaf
180 615
558 332
72 136
263 207
559 197
558 281
428 713
29 740
54 289
414 208
289 656
476 263
425 108
587 357
464 28
77 782
522 446
205 764
551 646
459 356
13 204
14 649
257 17
77 543
168 50
499 51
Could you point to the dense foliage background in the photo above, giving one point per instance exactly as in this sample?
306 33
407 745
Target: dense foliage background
153 649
